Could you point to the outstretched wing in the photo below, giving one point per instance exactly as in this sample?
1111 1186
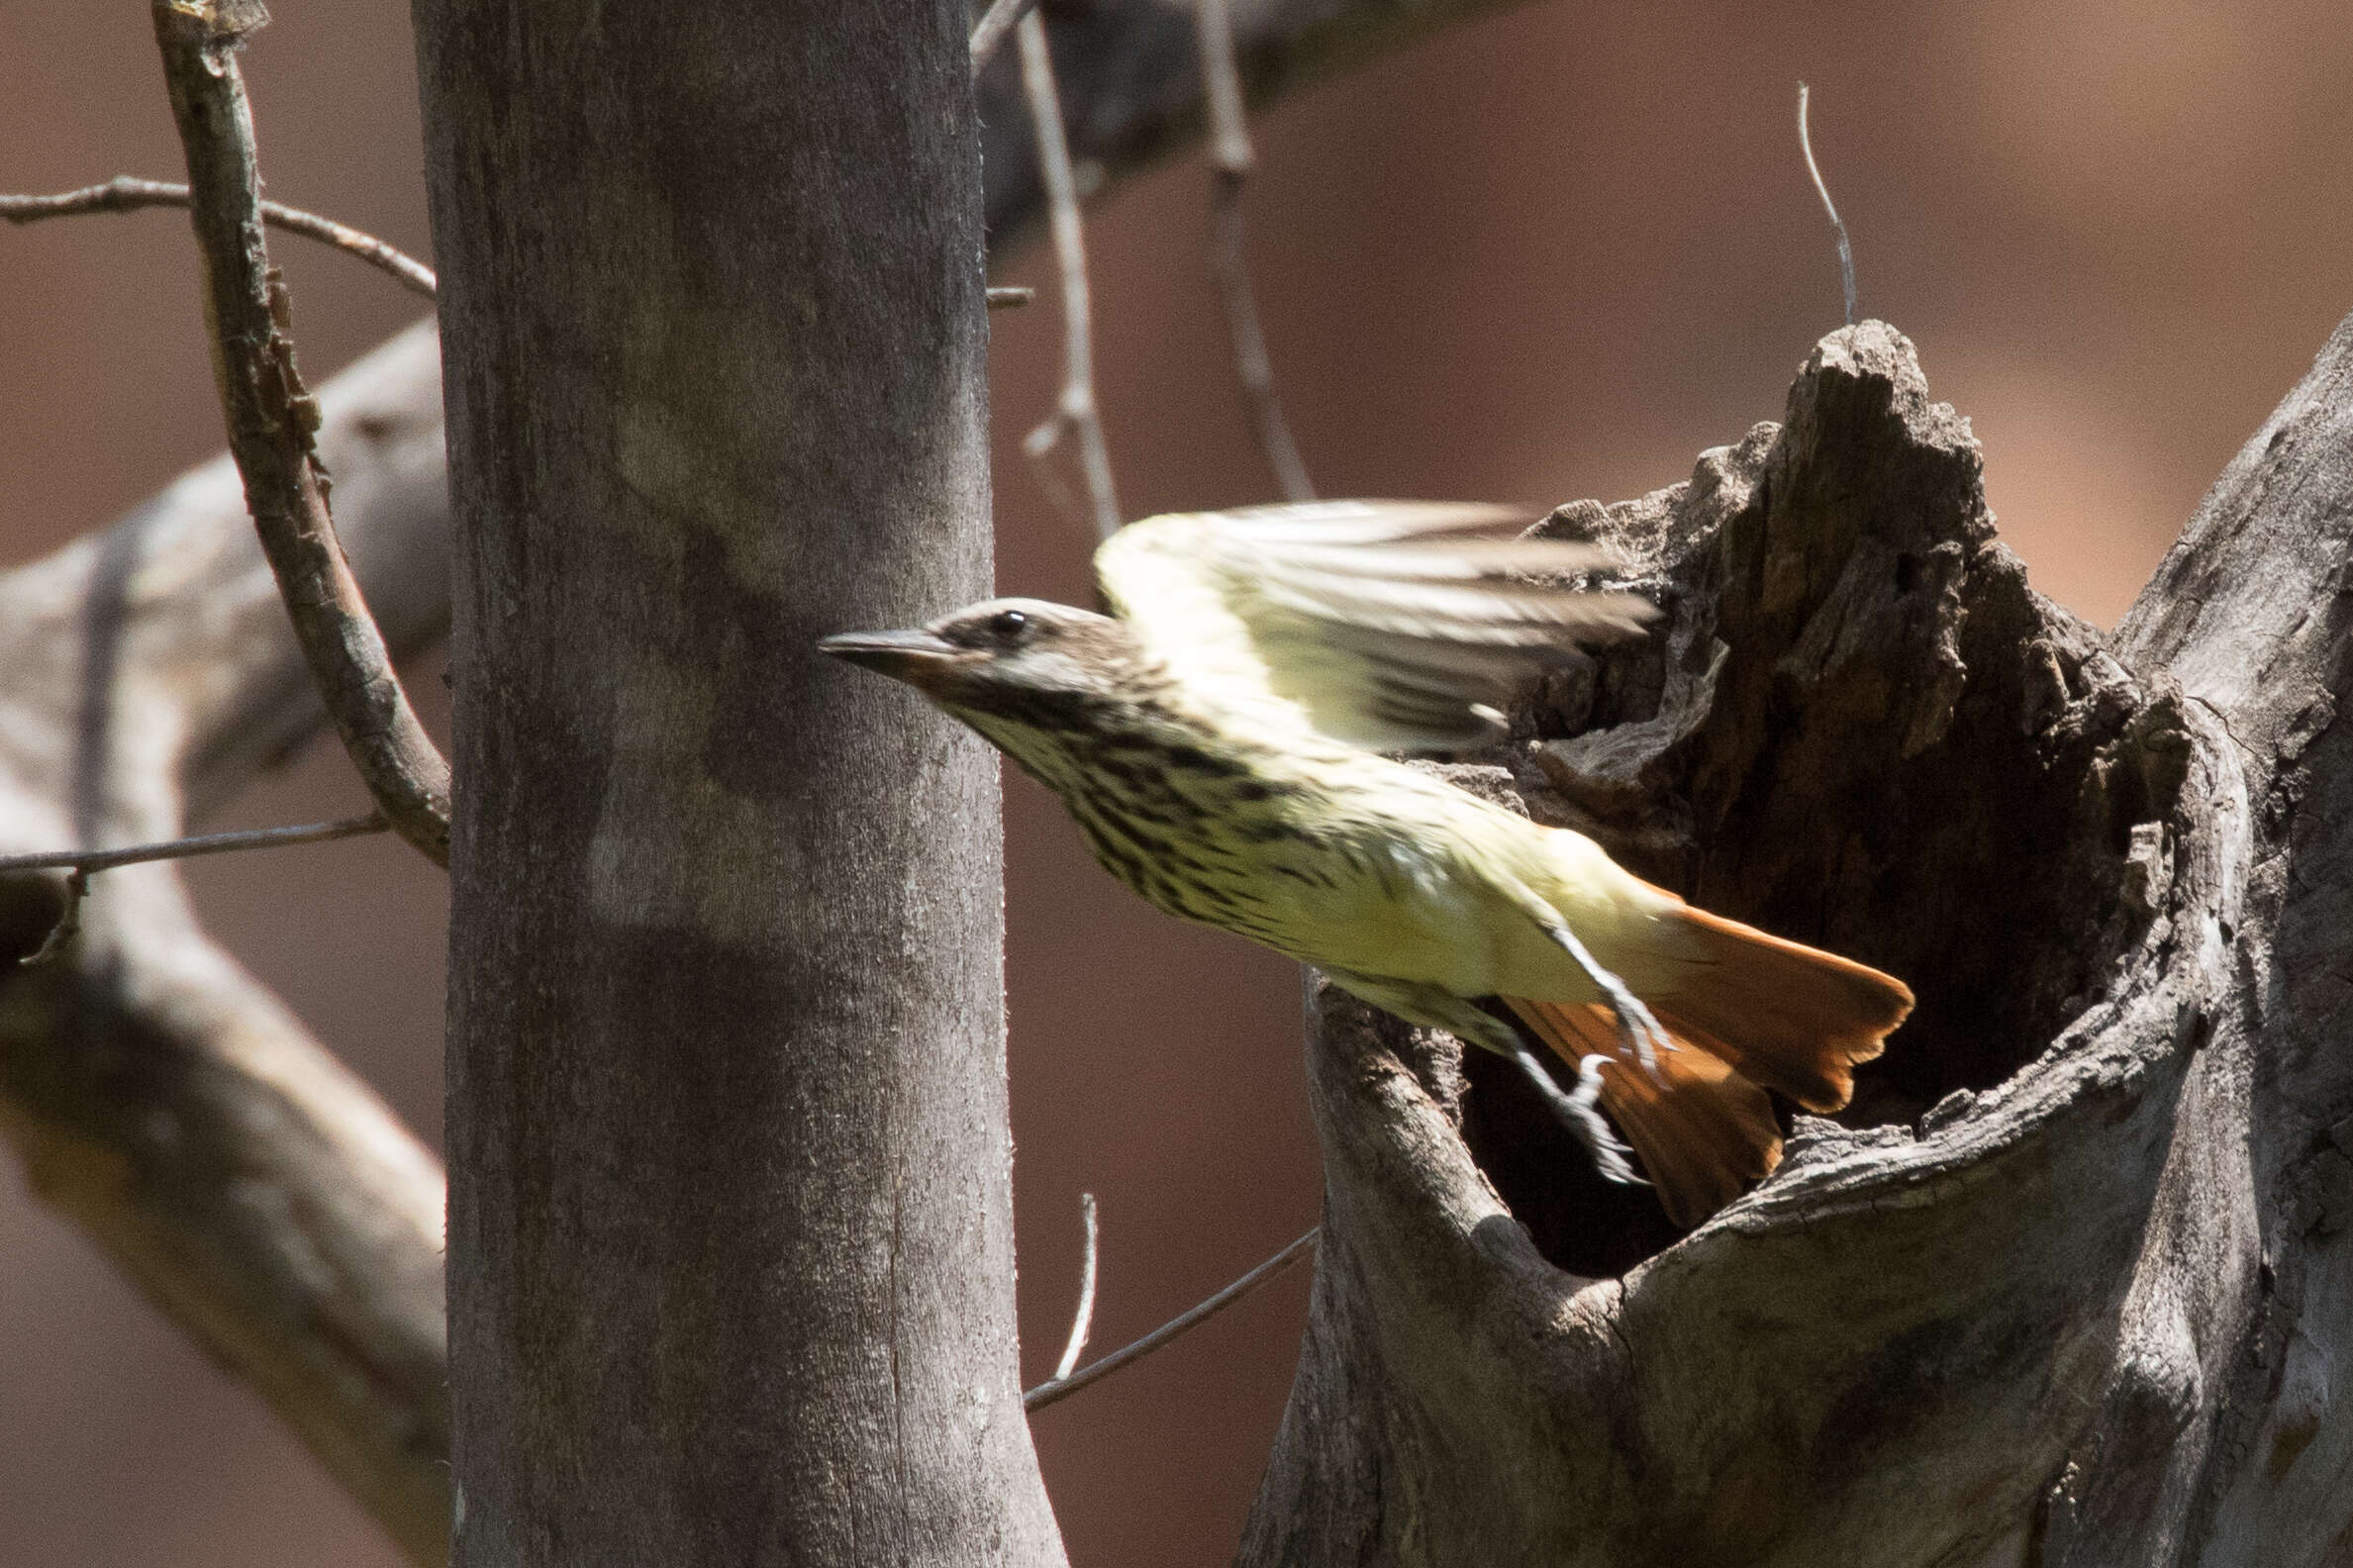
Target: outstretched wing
1396 626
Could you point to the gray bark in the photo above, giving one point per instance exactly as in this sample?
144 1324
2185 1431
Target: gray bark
731 1240
2070 1285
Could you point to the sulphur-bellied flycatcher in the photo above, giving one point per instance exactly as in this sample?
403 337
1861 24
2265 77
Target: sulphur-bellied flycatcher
1218 740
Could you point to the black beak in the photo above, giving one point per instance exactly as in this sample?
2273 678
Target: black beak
916 657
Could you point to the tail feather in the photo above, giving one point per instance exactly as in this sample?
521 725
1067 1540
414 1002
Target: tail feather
1793 1017
1704 1131
1746 1012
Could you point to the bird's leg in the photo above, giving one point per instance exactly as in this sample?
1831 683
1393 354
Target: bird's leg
1578 1109
1638 1025
1433 1007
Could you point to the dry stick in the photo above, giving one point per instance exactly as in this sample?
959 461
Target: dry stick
1075 409
126 194
84 861
1063 1386
200 844
1846 251
994 24
1084 1319
1230 161
270 418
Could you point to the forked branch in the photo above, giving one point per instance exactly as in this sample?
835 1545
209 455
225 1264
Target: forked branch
1066 1383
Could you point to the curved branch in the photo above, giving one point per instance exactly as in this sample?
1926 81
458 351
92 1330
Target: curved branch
257 1190
261 1195
123 193
271 417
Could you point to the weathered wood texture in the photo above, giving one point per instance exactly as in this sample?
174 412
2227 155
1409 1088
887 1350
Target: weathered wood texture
2072 1284
731 1208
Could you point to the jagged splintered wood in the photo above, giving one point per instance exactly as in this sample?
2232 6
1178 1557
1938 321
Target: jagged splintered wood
2075 1284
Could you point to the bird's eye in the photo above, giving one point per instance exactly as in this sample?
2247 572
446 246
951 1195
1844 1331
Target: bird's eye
1008 625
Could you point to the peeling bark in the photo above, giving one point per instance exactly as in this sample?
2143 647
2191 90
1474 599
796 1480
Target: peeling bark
2067 1283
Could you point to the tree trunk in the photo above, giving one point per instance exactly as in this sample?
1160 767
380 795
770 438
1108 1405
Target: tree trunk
2070 1285
731 1253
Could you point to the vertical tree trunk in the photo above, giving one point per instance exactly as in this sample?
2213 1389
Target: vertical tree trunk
730 1263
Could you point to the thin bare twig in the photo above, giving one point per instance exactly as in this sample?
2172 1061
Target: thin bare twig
1084 1319
82 862
1075 409
989 32
1230 162
1846 251
1063 1386
199 844
123 193
271 417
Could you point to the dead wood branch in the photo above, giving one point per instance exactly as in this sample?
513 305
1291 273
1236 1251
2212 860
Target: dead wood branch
271 417
1076 411
124 194
154 1091
190 848
1065 1381
1230 161
1814 171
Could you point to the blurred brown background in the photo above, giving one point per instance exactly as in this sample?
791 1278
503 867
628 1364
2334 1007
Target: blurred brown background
1552 254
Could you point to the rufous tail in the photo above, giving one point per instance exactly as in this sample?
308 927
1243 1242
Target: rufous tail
1748 1012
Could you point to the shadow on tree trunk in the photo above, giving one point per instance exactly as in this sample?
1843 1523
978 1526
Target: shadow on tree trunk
2021 1302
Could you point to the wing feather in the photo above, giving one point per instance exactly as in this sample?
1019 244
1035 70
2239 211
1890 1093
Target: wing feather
1392 625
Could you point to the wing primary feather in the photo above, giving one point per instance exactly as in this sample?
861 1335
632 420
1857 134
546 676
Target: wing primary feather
1384 623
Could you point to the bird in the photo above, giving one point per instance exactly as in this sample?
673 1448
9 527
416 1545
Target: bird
1227 741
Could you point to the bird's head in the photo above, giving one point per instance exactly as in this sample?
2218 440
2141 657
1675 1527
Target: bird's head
1025 660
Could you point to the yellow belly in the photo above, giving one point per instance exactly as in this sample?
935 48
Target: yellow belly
1396 874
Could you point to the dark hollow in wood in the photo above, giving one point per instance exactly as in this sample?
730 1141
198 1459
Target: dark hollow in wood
1860 728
